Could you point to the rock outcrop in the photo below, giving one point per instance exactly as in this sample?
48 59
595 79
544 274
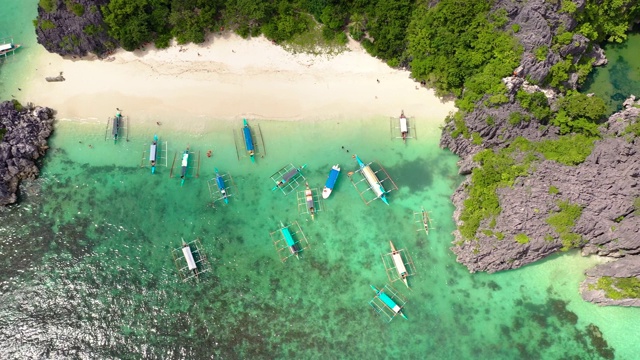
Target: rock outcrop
24 142
623 268
606 186
74 28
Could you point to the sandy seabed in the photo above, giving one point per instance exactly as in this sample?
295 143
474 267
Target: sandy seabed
229 77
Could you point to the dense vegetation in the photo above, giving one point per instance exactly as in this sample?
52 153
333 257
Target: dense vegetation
563 221
619 288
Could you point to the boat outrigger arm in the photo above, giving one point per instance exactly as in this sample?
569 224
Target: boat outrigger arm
372 179
388 301
248 140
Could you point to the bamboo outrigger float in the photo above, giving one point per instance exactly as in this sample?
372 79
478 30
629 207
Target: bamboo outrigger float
288 178
397 266
251 140
374 183
190 261
388 302
289 241
308 202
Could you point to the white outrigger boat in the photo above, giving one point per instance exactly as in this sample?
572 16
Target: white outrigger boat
331 181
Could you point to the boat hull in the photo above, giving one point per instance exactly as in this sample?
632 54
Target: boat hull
331 181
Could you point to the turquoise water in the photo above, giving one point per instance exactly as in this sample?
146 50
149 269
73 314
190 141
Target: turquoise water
620 78
86 267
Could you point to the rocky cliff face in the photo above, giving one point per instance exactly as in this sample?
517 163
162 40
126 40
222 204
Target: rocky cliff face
74 28
24 142
606 186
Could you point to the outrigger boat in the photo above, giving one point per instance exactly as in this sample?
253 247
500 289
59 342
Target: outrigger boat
7 48
404 130
191 263
310 204
399 264
185 164
331 181
293 248
372 179
221 186
153 152
389 302
117 120
288 177
248 140
425 220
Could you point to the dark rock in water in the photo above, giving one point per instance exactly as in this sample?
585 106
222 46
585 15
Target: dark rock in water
626 267
72 34
24 142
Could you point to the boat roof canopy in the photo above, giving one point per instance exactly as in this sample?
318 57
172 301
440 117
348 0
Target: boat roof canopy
4 47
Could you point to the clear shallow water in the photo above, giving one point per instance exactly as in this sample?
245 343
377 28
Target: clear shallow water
86 267
620 78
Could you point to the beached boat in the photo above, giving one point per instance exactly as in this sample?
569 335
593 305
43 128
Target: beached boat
372 179
308 195
399 264
153 153
221 186
389 302
185 164
248 140
331 181
8 48
404 129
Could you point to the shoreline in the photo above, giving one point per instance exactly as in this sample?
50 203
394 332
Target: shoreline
229 78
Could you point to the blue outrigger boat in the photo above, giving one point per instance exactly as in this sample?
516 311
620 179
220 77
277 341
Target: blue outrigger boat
372 179
248 140
331 181
221 186
185 164
153 152
388 301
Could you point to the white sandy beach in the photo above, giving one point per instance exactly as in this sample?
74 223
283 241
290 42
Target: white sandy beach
230 78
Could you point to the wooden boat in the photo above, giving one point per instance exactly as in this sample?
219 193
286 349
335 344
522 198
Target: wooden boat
288 177
248 140
191 263
289 240
7 48
221 186
153 153
425 220
372 179
309 199
117 121
399 264
404 129
185 164
331 181
388 301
